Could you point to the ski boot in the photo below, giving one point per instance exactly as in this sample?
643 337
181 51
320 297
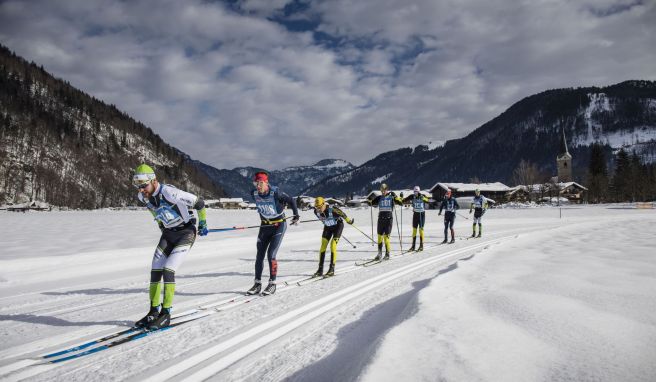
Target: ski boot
270 289
473 234
453 240
318 273
255 289
331 271
479 235
378 256
386 256
162 321
149 318
411 248
421 247
445 241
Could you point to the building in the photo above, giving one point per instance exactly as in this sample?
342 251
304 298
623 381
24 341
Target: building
564 161
494 191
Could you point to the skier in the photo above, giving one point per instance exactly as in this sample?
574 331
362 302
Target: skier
171 209
450 205
385 203
270 202
418 218
479 205
333 220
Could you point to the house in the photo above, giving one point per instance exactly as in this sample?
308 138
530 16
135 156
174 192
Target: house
494 191
547 192
30 206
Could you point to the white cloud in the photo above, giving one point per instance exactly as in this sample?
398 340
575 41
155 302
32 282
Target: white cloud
231 87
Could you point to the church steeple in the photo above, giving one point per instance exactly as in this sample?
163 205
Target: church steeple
564 160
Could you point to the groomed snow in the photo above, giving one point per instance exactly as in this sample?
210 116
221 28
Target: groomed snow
537 298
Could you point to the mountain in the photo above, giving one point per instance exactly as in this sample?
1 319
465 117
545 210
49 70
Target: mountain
617 116
64 147
238 181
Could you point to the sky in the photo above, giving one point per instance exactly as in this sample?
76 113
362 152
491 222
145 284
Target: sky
276 83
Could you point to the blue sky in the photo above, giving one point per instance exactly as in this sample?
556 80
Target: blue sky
276 83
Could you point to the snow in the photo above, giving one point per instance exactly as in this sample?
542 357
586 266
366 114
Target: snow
537 298
435 144
381 179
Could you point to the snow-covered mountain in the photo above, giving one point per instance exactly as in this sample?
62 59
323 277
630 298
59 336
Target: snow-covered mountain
64 147
617 116
238 181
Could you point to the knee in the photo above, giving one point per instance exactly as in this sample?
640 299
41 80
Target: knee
169 276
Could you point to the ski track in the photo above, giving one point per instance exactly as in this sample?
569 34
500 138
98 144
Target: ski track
244 334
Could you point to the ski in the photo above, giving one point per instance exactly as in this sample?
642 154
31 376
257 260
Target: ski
140 333
105 338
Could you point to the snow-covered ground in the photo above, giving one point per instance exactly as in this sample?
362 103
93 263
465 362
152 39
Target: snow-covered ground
538 298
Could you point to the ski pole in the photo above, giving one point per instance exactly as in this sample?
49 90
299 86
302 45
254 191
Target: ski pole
367 236
371 210
348 241
459 214
398 230
246 227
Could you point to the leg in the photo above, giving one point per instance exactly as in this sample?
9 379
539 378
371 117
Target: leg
263 239
276 240
422 220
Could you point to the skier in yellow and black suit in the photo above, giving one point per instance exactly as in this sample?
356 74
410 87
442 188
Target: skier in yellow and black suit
418 218
333 222
385 203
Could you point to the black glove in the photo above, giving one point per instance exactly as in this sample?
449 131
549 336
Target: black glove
295 220
350 221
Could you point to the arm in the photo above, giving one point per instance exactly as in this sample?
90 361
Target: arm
397 200
373 201
441 207
283 197
341 213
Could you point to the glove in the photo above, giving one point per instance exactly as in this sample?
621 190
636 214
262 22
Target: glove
440 214
202 228
470 211
350 221
295 220
402 194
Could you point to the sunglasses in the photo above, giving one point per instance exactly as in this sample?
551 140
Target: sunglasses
141 186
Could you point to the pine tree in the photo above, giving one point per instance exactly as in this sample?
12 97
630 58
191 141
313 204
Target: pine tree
597 175
621 185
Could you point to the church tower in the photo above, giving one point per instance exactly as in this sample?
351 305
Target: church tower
564 161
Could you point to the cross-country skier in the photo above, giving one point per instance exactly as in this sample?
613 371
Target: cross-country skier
385 203
418 218
333 224
171 209
450 205
270 202
479 205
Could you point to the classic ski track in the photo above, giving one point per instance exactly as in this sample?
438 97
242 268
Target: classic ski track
241 344
23 368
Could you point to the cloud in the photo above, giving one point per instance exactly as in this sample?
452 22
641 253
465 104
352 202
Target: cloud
280 83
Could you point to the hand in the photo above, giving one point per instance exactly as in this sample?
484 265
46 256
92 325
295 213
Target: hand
401 194
350 221
295 220
202 228
470 211
440 214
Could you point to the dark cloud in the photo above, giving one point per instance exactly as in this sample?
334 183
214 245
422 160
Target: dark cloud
277 83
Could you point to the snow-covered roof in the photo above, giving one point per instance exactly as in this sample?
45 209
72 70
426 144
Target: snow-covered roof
231 200
464 187
568 184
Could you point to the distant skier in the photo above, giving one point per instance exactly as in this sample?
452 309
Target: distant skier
450 205
418 218
270 202
385 203
171 209
333 221
479 205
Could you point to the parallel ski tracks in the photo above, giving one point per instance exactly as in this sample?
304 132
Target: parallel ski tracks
286 320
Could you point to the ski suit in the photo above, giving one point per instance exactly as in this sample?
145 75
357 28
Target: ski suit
418 218
479 205
385 218
333 225
171 208
450 205
272 229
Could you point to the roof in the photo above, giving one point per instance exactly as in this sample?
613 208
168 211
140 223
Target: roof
464 187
